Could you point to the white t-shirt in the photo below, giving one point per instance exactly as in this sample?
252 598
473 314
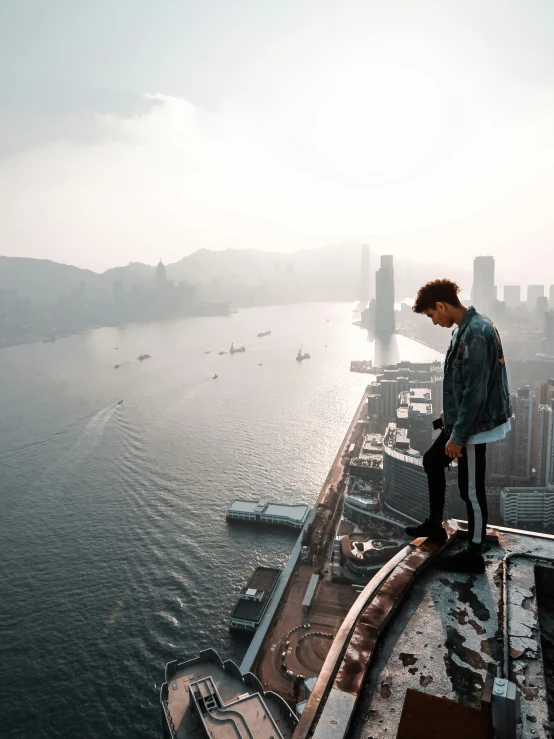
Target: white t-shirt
486 437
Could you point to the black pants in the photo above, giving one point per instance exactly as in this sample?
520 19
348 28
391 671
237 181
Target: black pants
471 483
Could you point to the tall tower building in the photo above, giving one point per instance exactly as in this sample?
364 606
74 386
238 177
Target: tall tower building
523 410
545 446
512 295
161 276
483 292
384 295
533 293
364 277
551 297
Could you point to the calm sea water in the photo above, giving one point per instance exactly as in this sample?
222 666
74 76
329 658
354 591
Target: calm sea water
115 555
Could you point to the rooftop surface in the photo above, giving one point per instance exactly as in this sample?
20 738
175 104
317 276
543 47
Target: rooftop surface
263 578
445 630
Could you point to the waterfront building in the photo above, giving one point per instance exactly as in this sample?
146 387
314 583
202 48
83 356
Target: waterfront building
384 296
405 493
529 507
415 413
260 511
361 554
207 697
551 297
483 291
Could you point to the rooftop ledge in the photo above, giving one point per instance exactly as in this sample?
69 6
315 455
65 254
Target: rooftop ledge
417 628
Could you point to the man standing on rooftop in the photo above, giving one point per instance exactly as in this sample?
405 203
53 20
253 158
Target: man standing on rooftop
476 412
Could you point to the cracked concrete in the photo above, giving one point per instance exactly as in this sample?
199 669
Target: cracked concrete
444 637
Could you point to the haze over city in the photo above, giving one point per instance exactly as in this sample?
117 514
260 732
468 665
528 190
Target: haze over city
131 132
277 369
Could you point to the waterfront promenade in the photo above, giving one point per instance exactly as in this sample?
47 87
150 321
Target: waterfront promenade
331 601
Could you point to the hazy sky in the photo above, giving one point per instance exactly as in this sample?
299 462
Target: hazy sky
134 129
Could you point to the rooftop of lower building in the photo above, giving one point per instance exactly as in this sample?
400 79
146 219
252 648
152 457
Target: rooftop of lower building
244 702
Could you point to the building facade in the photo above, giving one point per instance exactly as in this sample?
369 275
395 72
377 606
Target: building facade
483 291
384 296
523 409
527 507
405 493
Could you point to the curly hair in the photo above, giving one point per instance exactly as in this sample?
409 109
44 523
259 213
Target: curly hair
436 291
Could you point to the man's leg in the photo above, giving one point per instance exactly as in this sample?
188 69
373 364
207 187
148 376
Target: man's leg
471 483
473 480
434 463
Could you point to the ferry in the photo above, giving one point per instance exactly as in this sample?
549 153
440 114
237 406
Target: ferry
142 357
263 333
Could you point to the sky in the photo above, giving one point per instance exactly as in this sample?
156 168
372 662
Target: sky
134 130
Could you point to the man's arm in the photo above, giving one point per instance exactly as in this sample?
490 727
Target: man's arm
476 371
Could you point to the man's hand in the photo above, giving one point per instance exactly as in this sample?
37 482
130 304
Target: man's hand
442 417
453 450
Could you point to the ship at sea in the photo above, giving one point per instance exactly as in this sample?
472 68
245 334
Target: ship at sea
236 350
300 357
263 333
142 357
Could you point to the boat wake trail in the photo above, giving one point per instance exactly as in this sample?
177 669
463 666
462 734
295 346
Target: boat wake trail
87 441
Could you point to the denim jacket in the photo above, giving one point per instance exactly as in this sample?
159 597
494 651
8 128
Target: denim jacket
475 391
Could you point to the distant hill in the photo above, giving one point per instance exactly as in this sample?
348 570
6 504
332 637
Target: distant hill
244 276
42 280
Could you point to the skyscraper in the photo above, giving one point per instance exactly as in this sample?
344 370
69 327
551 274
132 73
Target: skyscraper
483 292
545 447
523 435
512 295
551 297
534 292
384 294
364 277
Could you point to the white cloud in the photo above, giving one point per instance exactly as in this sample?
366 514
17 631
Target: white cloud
402 165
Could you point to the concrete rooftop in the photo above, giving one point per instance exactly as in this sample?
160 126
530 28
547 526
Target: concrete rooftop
445 630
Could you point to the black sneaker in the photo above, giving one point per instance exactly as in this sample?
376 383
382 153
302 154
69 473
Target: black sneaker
432 531
464 561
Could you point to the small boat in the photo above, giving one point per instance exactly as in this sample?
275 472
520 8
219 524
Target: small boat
120 402
220 353
215 377
260 364
208 352
300 357
238 350
263 333
116 366
142 357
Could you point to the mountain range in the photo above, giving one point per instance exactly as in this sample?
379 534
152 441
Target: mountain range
242 276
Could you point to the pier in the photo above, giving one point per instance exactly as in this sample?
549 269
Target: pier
261 511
